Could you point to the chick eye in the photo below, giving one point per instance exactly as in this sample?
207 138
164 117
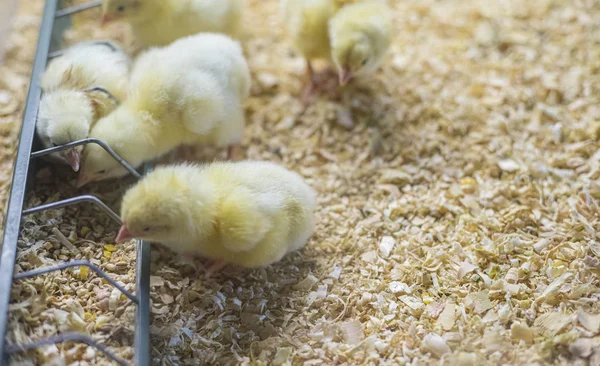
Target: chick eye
364 62
121 8
146 229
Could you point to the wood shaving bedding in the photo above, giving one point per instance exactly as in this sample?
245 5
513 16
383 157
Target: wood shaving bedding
457 221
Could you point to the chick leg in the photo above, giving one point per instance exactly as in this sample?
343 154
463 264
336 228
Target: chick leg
311 86
216 266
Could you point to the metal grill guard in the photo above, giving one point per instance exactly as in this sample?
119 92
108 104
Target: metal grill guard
51 31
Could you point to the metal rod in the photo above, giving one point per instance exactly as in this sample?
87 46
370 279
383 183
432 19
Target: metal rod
76 263
72 201
51 29
58 53
76 9
90 140
65 337
21 167
97 88
142 316
142 285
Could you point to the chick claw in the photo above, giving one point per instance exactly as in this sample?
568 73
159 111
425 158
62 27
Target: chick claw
216 266
318 82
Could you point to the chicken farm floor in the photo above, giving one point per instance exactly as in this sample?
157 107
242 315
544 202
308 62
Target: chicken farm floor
457 222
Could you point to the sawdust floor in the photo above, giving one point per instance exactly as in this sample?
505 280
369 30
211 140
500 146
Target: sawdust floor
457 221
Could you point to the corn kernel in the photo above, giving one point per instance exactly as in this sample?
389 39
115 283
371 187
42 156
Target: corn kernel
427 298
84 272
101 321
111 248
467 181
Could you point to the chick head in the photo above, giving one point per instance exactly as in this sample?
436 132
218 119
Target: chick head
353 54
96 163
121 10
156 208
65 116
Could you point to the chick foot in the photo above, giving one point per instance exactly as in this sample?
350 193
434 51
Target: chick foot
215 267
325 81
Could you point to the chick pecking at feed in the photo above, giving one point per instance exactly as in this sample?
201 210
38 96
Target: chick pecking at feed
247 213
81 86
191 91
307 23
353 34
360 35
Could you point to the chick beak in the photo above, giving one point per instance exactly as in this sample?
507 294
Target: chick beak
124 235
73 158
345 76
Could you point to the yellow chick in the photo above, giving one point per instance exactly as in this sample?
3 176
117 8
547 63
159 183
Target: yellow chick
191 91
82 85
360 35
354 34
246 213
160 22
307 23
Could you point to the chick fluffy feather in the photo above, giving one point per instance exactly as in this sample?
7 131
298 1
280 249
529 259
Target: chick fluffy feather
189 92
246 213
67 109
353 34
160 22
360 35
307 24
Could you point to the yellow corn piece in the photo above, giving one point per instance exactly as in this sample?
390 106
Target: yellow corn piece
101 321
494 272
467 181
107 254
84 272
85 230
426 298
111 248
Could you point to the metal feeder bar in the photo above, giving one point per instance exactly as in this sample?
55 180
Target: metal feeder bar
70 201
89 140
65 337
77 263
76 9
51 33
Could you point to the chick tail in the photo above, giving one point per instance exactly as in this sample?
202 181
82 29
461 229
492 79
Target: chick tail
302 224
240 222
